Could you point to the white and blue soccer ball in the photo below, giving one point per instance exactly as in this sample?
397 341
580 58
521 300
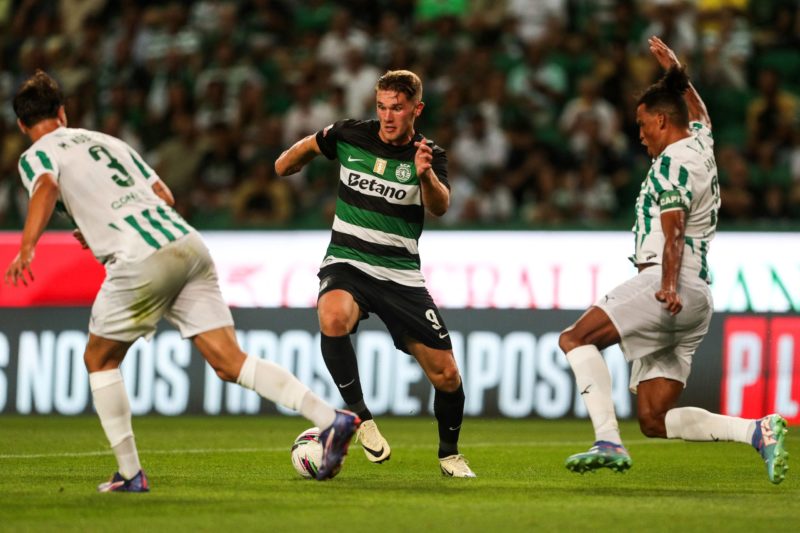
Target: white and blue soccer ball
307 453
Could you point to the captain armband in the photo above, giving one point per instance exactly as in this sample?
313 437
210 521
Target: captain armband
673 200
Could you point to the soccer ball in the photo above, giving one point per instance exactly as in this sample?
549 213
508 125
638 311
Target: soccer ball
307 453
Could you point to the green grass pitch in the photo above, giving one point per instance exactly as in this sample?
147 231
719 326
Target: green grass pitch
234 474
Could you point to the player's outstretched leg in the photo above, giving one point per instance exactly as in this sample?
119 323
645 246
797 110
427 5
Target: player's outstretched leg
117 483
335 441
603 454
375 446
768 440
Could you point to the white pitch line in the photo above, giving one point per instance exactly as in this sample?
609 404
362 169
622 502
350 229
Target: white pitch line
201 451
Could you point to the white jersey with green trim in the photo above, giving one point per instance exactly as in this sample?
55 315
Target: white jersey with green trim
106 188
684 177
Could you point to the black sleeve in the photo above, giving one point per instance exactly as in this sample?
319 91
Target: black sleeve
329 136
439 165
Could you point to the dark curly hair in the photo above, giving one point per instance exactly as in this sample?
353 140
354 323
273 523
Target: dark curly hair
666 96
39 98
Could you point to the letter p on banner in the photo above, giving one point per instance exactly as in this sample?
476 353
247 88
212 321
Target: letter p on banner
743 375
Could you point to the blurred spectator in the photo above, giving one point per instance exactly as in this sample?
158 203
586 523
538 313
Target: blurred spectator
491 201
461 194
539 83
358 80
177 159
342 36
596 201
308 114
772 176
168 33
673 22
219 171
387 38
727 45
11 147
261 199
739 198
484 20
772 114
215 106
479 147
588 110
536 16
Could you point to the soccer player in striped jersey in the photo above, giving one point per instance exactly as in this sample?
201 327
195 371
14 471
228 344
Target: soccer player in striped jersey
156 266
660 316
389 176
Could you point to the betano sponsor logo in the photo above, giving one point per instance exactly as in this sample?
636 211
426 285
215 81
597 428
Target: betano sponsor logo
380 187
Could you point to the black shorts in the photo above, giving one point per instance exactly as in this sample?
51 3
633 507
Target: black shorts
407 312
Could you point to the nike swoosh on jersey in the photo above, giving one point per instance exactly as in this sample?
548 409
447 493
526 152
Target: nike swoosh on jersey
443 335
351 160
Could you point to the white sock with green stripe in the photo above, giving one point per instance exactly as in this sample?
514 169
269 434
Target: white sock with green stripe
114 411
693 423
278 385
594 385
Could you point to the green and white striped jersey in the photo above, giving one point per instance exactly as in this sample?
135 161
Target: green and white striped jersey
106 188
684 177
379 211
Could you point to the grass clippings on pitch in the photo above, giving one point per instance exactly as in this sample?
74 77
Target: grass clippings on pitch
235 474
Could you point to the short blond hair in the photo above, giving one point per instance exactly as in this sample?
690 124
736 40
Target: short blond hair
401 81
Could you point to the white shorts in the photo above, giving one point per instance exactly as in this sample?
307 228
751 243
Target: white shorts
177 282
658 344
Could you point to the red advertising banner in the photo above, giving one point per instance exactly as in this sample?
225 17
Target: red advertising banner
743 372
64 273
783 381
761 367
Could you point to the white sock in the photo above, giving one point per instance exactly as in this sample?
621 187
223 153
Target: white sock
278 385
111 403
594 384
693 423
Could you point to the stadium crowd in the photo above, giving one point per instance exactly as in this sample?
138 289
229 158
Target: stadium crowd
532 99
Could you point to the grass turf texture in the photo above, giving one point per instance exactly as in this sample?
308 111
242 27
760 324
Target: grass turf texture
235 474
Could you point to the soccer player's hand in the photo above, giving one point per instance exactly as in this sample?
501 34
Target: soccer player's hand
423 159
663 53
16 270
671 300
79 237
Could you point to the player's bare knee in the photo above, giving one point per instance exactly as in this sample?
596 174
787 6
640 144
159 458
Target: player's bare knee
333 323
447 380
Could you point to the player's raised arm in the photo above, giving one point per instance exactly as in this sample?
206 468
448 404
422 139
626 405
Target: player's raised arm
43 203
435 196
296 157
667 59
